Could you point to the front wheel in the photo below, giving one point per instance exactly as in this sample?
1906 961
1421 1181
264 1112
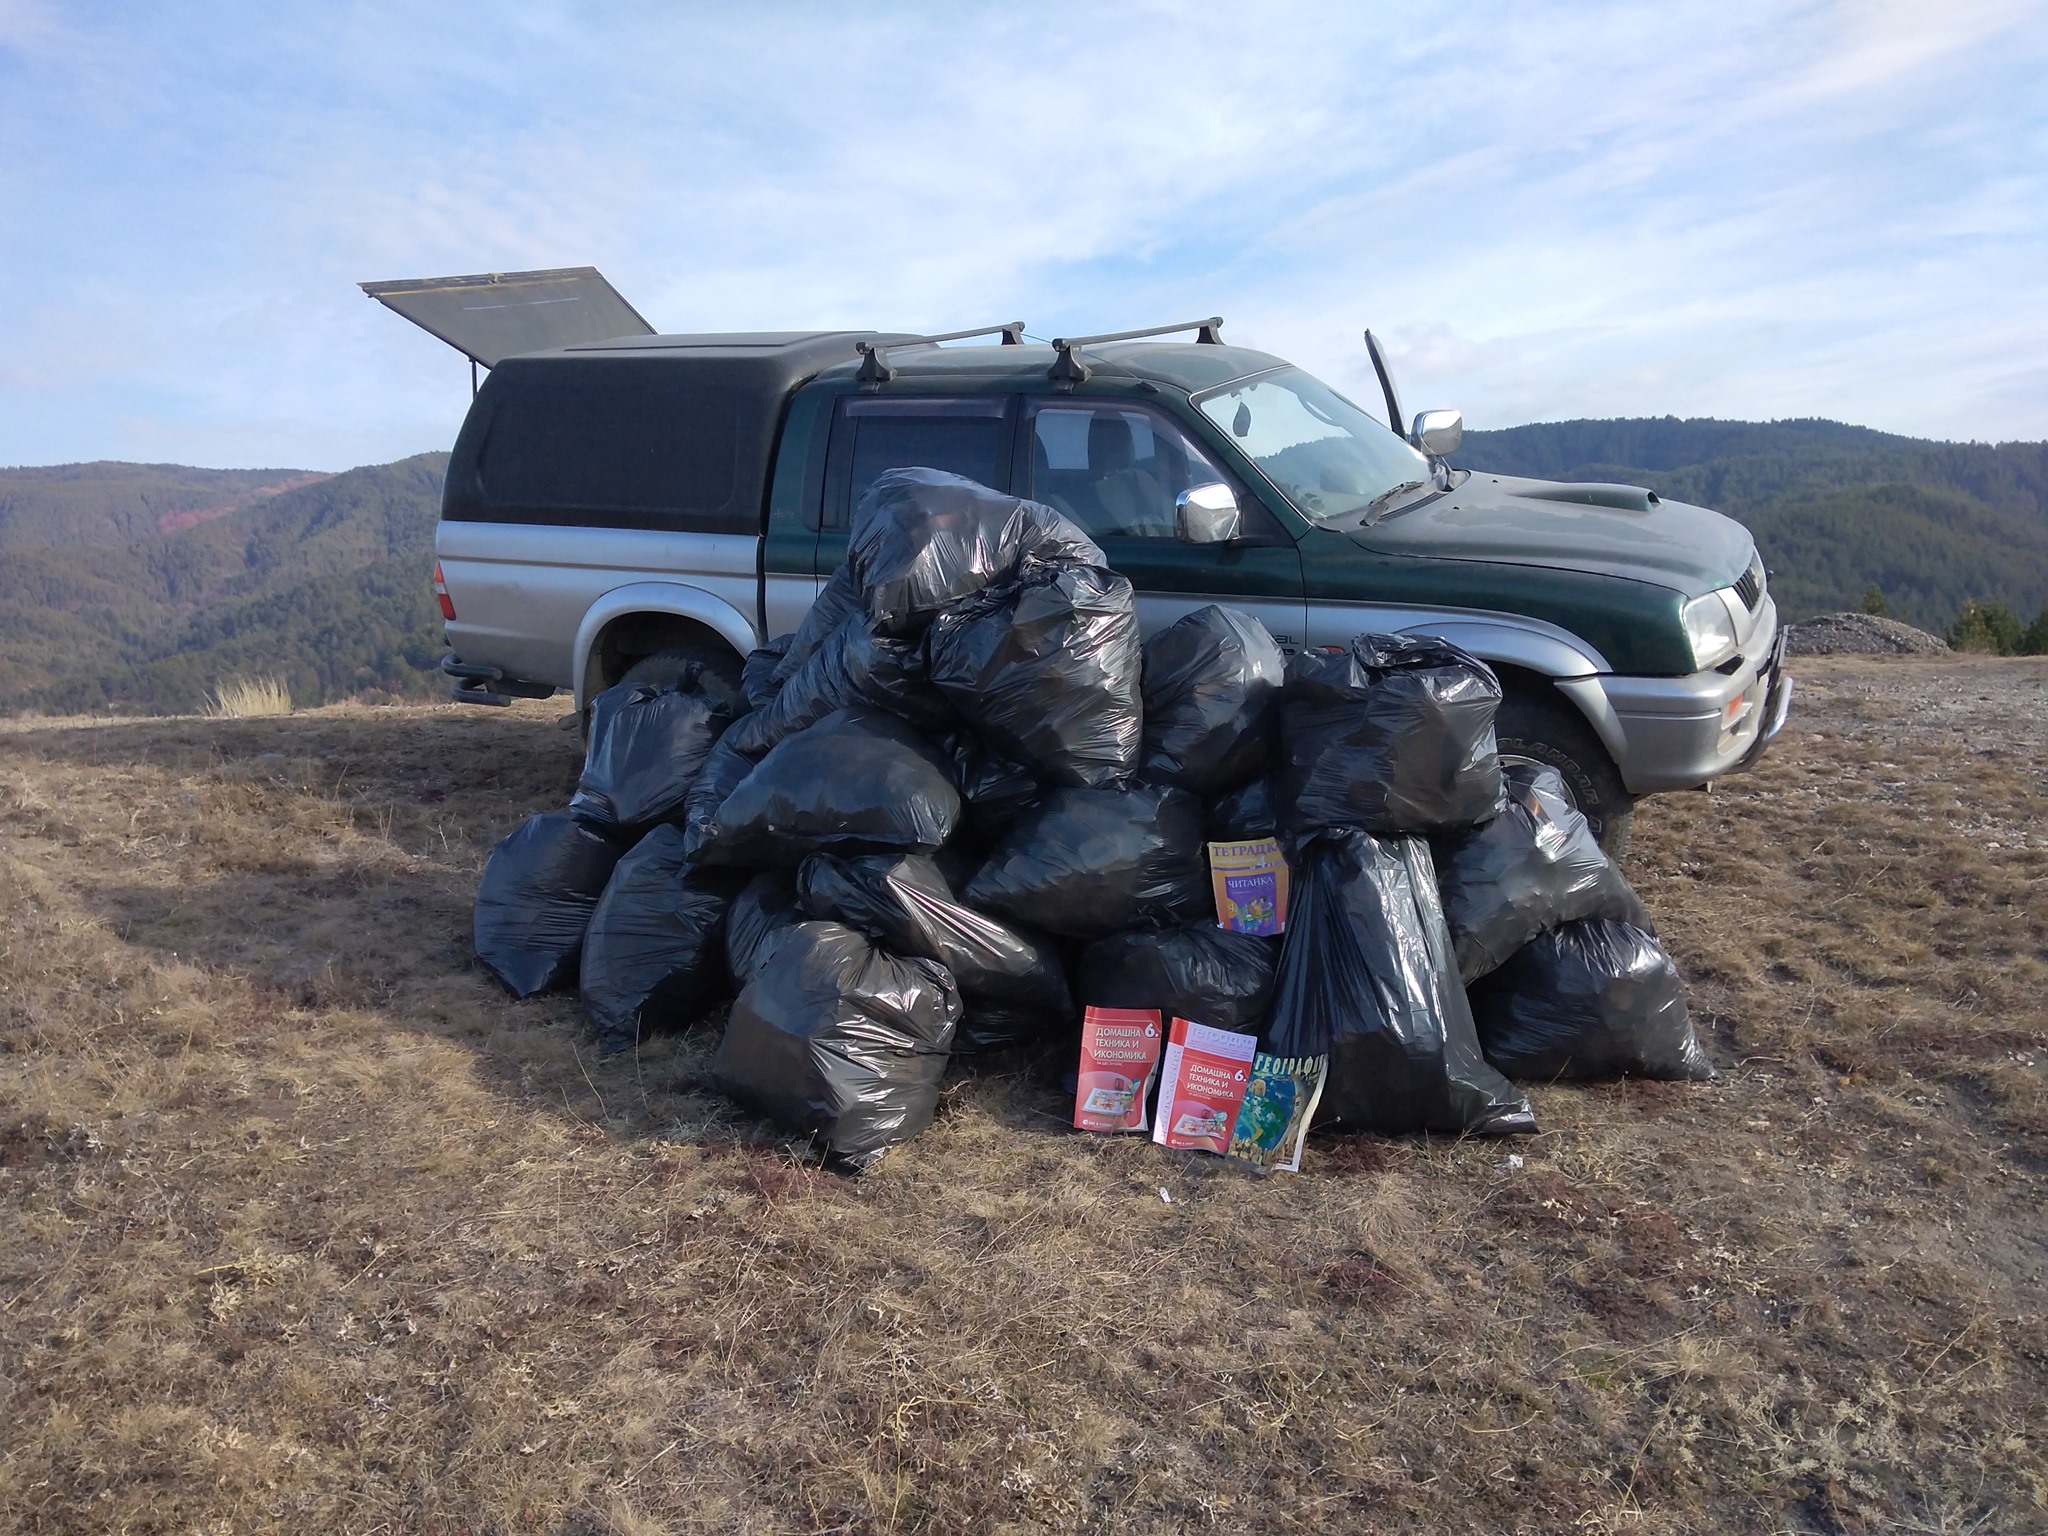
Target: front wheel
1532 729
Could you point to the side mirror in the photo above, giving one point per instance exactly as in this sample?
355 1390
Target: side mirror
1438 433
1207 514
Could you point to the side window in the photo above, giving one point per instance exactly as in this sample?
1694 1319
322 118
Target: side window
1114 469
969 437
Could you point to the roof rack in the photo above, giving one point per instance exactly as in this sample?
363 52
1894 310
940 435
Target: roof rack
1069 370
875 369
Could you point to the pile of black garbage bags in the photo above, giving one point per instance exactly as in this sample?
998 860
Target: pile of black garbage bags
965 800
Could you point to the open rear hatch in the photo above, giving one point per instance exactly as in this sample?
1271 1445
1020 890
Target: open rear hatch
495 315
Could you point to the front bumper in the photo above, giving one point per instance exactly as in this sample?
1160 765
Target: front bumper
1682 732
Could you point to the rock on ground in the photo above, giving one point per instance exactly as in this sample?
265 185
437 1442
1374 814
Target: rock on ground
1862 634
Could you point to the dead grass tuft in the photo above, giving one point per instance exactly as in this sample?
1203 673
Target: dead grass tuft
308 1227
243 698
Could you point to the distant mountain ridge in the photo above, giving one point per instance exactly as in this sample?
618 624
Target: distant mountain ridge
325 582
1835 509
66 506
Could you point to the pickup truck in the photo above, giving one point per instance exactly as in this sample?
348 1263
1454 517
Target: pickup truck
627 506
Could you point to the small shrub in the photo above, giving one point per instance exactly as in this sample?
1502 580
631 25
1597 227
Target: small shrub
1874 603
237 698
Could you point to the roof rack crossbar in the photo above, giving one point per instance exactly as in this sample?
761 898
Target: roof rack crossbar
875 369
1069 370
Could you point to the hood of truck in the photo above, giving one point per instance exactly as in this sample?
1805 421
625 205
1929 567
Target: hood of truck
1604 530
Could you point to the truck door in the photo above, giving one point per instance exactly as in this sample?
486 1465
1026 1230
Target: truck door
968 435
1116 469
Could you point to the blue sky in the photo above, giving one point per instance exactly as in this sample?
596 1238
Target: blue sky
1741 210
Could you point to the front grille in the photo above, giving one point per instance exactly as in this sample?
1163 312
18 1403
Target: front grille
1750 585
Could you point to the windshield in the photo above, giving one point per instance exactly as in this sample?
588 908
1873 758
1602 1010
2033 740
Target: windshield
1326 455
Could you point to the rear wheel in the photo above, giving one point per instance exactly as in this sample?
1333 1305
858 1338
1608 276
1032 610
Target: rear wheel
713 668
1533 729
706 665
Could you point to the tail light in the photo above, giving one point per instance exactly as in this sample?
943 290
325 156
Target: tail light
441 594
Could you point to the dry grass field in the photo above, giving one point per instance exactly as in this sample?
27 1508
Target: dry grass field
309 1229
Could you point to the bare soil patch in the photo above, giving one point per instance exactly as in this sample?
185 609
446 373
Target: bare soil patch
307 1227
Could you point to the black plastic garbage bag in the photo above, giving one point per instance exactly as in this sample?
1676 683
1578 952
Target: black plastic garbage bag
922 539
646 745
1211 687
765 909
1046 671
1013 984
1532 868
534 902
1590 999
654 955
836 602
759 676
719 777
1092 862
1201 973
854 666
997 791
859 781
1244 814
1392 735
840 1041
1366 975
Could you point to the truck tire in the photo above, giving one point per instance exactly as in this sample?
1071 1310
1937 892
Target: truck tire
1533 729
716 666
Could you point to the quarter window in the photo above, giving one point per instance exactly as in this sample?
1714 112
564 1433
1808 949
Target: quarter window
967 437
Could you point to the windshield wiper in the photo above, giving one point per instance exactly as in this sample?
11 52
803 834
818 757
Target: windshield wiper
1377 507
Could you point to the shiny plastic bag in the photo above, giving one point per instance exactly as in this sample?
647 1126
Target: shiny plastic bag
534 902
646 745
654 954
1013 985
1243 815
997 791
1393 734
765 909
859 781
759 675
1046 671
1590 999
1532 868
836 602
1211 688
719 777
840 1041
1366 976
1201 973
922 539
855 666
1091 862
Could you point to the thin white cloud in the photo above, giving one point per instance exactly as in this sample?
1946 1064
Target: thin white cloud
1549 211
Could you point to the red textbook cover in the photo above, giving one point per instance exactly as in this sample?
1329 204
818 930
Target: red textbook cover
1201 1086
1119 1057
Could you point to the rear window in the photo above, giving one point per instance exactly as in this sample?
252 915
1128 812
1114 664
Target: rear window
618 438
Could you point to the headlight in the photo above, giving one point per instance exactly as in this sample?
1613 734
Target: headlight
1711 629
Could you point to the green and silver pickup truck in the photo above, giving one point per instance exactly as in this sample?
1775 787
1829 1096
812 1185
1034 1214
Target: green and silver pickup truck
624 506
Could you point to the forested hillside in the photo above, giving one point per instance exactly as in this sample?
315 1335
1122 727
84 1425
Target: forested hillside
1835 509
324 585
64 506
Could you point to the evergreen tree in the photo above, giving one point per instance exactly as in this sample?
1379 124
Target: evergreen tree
1874 604
1992 627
